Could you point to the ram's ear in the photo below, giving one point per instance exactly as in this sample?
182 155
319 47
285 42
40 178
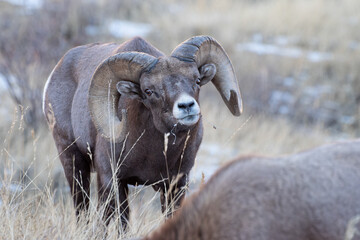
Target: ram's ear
207 73
130 89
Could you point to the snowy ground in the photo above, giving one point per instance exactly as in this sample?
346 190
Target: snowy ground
28 4
281 46
116 27
127 29
3 86
120 29
209 159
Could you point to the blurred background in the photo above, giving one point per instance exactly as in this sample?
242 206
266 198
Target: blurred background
297 62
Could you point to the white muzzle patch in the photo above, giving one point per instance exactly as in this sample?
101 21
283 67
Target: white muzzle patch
186 110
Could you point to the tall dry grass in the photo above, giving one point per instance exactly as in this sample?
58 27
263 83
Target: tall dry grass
36 201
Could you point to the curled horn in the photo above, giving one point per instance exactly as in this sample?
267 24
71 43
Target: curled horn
103 95
205 49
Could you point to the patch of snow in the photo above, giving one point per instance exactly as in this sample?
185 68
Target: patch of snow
281 97
208 170
348 120
175 8
325 115
128 29
318 56
316 91
14 188
92 30
29 4
282 41
269 49
332 105
3 85
354 45
285 40
209 160
280 102
66 189
353 21
291 52
215 149
257 37
284 110
289 82
306 100
5 112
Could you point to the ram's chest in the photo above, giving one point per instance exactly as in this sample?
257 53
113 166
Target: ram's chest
150 161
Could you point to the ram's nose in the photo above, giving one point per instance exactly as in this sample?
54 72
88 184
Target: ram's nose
186 106
186 110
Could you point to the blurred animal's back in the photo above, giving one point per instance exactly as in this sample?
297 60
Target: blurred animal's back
310 195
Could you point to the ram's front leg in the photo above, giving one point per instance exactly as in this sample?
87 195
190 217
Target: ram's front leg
171 196
114 201
112 192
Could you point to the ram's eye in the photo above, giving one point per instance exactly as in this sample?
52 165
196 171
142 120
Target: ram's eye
198 81
148 92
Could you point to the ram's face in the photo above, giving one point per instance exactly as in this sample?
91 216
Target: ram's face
171 92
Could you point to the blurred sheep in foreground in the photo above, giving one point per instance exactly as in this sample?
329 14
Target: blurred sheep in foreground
310 195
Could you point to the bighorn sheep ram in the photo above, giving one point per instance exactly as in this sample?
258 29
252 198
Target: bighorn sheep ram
120 100
310 195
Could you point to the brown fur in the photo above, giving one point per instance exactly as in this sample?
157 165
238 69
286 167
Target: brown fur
311 195
140 157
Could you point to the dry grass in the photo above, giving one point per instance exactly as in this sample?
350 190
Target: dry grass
35 200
